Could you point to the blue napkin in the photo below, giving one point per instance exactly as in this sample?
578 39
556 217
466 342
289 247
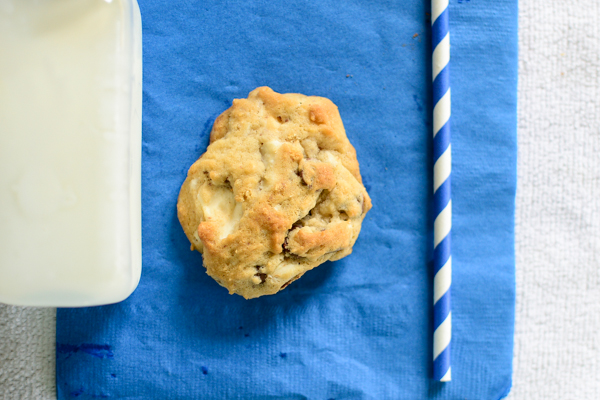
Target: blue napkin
359 328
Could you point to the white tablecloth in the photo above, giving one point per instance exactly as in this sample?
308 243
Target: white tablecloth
557 340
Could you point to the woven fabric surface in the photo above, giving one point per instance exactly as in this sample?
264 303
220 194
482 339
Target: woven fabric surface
557 339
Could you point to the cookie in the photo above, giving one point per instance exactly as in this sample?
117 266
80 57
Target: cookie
277 192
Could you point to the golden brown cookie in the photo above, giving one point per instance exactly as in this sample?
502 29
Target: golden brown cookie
277 192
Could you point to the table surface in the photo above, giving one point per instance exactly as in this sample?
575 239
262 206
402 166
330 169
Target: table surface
557 344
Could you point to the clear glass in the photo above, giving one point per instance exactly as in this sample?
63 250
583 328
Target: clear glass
70 151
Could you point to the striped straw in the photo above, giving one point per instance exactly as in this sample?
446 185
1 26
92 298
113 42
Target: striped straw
442 203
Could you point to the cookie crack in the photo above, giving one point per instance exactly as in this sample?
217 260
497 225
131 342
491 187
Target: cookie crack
300 224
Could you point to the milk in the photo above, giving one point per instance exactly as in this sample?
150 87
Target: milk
70 151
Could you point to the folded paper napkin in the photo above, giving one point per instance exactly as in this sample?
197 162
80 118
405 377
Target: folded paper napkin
359 328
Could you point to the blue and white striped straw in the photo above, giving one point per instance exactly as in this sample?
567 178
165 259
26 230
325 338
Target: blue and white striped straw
442 203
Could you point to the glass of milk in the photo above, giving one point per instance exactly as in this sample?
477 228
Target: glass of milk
70 151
